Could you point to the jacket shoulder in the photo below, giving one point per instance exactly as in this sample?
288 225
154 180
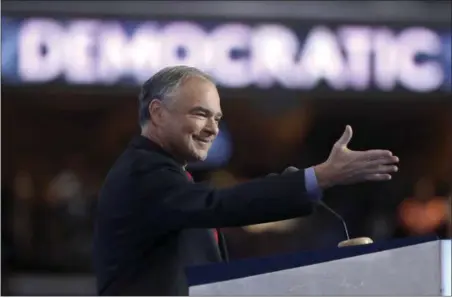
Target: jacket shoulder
135 161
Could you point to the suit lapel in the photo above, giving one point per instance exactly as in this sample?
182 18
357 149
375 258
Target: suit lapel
215 234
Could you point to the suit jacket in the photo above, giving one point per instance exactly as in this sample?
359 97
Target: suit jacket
152 221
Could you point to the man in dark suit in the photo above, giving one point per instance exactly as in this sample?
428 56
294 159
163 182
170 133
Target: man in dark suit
153 221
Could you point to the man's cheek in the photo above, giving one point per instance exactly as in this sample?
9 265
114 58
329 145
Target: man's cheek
192 128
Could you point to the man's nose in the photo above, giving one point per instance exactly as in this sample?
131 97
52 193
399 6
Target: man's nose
212 127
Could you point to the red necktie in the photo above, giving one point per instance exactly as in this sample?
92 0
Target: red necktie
190 178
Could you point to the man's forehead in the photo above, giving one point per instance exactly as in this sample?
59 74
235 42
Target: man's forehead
197 85
199 93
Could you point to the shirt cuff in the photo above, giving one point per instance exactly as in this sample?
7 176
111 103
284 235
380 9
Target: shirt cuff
311 184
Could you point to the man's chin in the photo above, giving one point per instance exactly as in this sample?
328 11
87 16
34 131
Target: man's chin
198 156
201 157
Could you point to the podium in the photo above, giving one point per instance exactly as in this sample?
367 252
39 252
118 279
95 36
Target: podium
402 267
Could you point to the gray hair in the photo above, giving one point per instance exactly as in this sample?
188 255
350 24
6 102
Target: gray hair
163 85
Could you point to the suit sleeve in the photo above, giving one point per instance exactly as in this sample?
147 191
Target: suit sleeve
176 203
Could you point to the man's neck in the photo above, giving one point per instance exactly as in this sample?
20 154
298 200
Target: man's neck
152 135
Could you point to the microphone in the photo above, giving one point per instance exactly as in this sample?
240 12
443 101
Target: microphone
344 224
223 246
290 169
348 242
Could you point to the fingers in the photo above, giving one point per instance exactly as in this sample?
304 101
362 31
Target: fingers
378 177
380 172
378 154
383 161
346 137
382 169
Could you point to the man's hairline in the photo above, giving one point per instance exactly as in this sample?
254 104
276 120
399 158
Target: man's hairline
170 98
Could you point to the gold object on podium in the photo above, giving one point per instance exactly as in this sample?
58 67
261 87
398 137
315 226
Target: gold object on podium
355 242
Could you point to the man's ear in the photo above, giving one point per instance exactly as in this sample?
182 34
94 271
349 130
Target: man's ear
155 111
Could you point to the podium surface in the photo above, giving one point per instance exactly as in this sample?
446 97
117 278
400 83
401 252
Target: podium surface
404 267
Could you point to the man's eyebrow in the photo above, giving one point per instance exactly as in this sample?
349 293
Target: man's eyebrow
204 110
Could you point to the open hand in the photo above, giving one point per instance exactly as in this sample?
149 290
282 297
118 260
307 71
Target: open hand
345 166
